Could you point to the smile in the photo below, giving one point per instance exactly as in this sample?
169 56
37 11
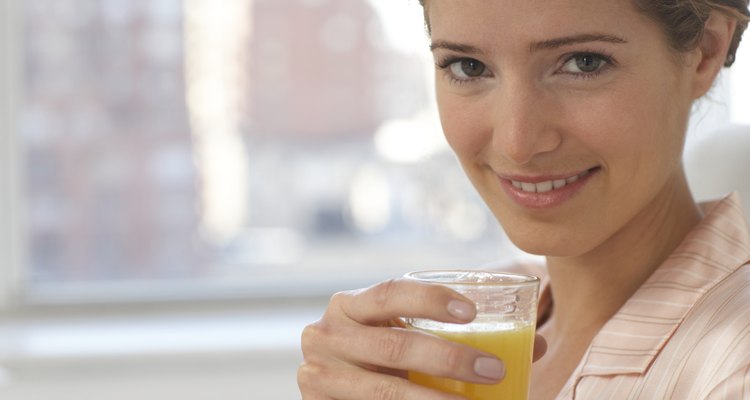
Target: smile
550 185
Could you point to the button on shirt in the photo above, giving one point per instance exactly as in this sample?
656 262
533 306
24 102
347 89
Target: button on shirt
685 334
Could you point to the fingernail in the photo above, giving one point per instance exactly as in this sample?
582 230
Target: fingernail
490 368
461 310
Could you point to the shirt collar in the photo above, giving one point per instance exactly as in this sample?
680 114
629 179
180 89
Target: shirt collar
630 341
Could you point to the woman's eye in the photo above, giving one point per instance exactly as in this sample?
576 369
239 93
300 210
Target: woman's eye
585 64
467 68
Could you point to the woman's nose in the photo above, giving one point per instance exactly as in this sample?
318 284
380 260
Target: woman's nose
523 124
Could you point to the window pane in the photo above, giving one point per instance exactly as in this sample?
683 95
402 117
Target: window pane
254 144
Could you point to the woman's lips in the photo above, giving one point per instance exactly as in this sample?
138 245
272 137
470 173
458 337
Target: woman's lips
545 192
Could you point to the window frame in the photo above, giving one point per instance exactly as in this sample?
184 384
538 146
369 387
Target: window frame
26 318
11 235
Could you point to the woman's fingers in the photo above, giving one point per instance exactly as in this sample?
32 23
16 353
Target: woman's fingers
361 350
402 349
401 298
357 383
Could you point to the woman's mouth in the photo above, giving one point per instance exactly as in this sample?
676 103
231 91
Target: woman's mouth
546 192
549 185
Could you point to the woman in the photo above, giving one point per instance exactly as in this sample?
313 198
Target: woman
569 118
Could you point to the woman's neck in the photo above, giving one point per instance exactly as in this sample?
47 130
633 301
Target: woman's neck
590 288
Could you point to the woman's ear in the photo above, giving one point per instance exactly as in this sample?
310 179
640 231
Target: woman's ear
712 51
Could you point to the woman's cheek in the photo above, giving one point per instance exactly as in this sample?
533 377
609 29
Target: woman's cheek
465 129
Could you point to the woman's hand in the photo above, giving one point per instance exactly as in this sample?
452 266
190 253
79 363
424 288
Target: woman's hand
359 350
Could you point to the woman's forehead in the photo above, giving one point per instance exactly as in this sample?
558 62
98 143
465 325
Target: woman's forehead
528 13
512 21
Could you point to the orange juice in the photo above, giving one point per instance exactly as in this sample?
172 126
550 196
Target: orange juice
513 347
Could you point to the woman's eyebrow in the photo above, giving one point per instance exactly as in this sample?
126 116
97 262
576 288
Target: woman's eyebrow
457 47
537 46
576 39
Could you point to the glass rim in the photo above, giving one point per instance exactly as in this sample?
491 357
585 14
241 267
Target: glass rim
468 277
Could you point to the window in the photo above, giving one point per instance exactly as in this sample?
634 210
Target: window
257 147
183 148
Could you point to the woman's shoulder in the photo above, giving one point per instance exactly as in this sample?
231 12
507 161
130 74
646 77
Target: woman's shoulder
710 347
726 302
718 326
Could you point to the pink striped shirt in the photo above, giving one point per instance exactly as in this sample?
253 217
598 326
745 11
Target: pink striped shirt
685 334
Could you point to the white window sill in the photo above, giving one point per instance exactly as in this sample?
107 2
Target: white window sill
183 355
185 333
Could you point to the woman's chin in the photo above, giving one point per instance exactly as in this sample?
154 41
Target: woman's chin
548 246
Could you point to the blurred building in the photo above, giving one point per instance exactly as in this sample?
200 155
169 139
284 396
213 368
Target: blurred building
110 183
124 165
324 78
321 70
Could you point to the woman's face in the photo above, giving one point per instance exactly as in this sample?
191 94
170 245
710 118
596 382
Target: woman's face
568 116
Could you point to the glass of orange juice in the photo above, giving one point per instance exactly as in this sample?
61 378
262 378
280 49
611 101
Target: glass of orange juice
504 326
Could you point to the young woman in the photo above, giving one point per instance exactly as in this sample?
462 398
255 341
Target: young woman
569 118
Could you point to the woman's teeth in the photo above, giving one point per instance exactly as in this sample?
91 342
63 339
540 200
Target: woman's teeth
546 186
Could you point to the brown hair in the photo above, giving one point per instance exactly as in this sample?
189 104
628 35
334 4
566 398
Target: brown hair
683 20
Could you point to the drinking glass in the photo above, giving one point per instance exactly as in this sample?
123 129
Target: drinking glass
504 326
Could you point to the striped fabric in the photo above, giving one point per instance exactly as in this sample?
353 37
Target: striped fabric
685 334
